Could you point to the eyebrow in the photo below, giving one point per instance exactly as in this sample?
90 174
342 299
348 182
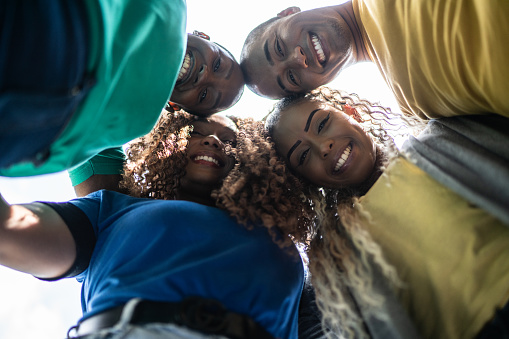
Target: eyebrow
267 53
293 149
309 119
306 128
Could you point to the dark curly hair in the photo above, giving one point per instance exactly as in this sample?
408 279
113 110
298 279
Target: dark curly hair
254 192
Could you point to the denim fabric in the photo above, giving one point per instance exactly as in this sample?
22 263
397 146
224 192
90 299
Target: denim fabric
43 60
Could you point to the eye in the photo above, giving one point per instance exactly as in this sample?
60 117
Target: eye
217 64
322 124
292 78
195 133
203 95
279 50
303 157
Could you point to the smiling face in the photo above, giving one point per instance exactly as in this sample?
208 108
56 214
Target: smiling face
208 163
210 80
324 145
298 53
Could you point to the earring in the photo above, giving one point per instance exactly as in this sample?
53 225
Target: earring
172 107
201 35
349 110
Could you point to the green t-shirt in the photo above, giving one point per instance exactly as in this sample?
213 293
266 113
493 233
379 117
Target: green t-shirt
108 162
137 48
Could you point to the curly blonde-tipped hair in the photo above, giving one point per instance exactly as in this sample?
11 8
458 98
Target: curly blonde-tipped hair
342 253
254 192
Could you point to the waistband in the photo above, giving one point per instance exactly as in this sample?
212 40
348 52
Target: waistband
204 315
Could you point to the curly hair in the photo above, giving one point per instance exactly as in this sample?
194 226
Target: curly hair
261 189
341 252
156 162
254 192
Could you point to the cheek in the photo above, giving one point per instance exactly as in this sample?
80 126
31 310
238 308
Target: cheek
312 80
184 98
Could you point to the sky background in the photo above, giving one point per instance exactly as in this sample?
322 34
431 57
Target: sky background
30 308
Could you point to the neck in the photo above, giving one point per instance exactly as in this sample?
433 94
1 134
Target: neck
347 13
198 195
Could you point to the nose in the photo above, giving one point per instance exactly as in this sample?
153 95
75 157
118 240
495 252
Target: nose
298 58
325 147
212 141
202 75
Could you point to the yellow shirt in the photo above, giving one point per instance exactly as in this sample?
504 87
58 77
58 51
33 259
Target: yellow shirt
440 57
452 256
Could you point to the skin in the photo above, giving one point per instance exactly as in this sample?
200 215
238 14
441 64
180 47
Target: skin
314 152
284 60
213 81
209 138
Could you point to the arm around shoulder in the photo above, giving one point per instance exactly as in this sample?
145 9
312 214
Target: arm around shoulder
34 239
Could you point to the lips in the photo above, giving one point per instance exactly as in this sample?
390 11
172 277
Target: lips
208 159
185 70
318 48
343 158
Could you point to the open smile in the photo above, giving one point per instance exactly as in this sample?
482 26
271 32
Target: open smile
185 70
343 159
319 49
208 159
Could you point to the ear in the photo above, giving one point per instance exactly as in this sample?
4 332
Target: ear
201 35
288 11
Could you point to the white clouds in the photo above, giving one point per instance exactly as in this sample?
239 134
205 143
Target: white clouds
30 308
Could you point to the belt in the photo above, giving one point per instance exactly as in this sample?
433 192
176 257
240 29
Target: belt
204 315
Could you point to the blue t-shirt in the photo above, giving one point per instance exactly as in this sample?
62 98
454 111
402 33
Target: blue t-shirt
167 250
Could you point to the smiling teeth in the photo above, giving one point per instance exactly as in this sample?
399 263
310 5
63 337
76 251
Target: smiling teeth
343 158
206 158
318 48
185 67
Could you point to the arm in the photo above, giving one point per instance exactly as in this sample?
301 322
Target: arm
98 182
34 239
103 171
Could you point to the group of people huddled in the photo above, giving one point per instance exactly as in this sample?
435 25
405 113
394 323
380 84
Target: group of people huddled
311 223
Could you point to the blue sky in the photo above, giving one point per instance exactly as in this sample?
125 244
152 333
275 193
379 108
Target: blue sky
36 309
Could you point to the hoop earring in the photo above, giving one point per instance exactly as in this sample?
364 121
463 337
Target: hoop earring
201 35
172 107
351 111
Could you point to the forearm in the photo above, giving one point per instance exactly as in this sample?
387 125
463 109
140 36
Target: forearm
35 240
98 182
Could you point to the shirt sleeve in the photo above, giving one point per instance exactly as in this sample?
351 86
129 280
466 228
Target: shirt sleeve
109 161
83 234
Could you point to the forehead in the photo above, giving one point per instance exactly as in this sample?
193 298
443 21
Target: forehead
204 44
217 121
293 121
298 112
260 73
